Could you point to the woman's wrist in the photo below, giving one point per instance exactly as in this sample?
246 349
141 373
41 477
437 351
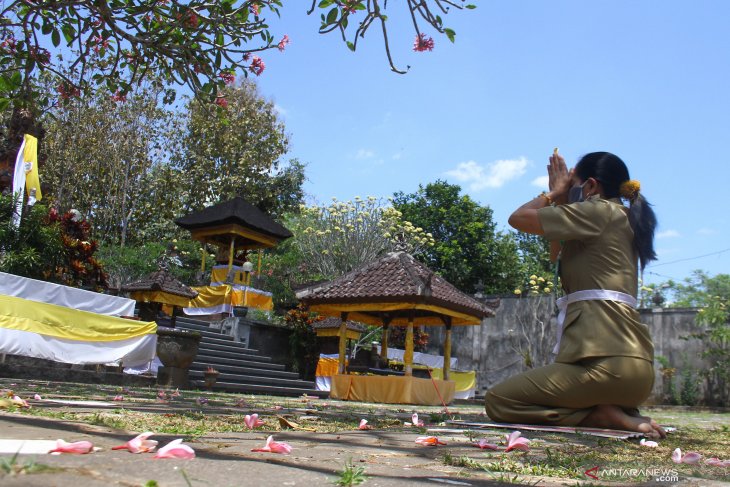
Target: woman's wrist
557 198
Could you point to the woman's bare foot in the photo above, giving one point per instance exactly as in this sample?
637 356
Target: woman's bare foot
636 414
609 416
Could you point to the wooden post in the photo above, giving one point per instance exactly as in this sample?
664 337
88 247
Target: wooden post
408 355
229 274
202 259
258 268
343 343
384 341
447 350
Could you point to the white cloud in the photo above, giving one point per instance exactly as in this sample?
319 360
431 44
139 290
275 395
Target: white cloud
364 154
668 234
541 182
492 175
707 231
280 110
397 156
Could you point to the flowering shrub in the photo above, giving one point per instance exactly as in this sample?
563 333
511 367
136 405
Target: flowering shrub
532 336
303 340
49 246
337 238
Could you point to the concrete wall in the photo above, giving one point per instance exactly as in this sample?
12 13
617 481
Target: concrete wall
494 348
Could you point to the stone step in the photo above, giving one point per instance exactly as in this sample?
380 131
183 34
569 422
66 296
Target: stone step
237 348
252 379
247 371
227 358
263 389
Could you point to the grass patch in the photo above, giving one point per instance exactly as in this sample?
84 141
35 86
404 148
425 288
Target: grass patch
11 466
350 475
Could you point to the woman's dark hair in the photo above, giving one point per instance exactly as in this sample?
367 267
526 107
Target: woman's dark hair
611 172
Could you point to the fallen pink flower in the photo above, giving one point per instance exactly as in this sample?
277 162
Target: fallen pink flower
176 393
648 443
80 447
485 445
119 398
19 401
515 442
690 458
429 441
38 397
138 444
175 449
274 446
716 462
364 425
252 421
414 421
276 408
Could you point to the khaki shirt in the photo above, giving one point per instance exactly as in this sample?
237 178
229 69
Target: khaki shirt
598 253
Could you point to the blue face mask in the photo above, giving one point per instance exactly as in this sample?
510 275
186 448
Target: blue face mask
575 194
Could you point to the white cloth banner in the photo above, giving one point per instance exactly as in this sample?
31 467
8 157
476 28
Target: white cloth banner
434 361
70 297
221 308
587 295
19 184
323 383
130 352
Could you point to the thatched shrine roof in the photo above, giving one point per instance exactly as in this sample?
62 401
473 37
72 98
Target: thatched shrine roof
393 289
161 281
236 217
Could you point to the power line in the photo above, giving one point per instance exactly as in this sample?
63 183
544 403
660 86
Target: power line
690 258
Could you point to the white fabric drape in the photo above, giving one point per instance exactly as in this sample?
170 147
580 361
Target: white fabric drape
70 297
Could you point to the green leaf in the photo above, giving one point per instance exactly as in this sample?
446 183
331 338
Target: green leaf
332 15
69 33
325 3
55 38
15 80
351 46
4 104
47 27
470 6
450 34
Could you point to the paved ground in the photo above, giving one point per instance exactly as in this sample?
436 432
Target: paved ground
389 456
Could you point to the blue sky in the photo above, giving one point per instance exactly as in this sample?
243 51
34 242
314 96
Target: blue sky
646 80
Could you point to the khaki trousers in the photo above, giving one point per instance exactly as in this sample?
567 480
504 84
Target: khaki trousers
564 394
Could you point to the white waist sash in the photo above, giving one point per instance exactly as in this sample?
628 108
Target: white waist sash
587 295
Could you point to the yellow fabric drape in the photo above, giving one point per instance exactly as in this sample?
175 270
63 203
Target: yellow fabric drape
391 389
30 158
464 380
159 297
68 323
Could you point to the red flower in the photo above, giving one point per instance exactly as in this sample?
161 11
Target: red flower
254 8
119 97
284 42
192 21
228 78
423 43
257 66
221 102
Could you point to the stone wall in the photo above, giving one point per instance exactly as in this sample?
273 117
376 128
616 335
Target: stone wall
494 348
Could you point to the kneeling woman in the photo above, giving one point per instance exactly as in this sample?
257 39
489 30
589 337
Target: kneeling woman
604 365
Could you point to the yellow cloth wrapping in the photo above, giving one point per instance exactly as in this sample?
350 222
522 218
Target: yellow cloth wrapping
220 273
464 381
68 323
217 296
391 389
30 156
326 367
159 297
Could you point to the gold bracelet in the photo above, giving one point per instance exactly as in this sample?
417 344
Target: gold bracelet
549 200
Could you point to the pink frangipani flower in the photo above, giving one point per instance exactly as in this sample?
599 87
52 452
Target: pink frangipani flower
485 445
716 462
138 444
19 401
429 441
690 457
415 421
648 443
175 449
515 442
38 397
80 447
364 425
274 446
252 421
119 398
